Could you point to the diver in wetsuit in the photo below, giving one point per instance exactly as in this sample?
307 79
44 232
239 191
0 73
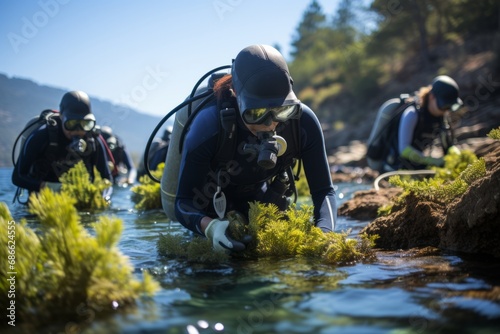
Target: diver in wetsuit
273 129
53 149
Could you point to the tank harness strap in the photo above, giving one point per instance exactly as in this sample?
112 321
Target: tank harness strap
53 131
109 154
296 161
227 138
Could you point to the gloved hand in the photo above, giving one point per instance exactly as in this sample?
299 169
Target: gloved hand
54 186
430 161
416 156
217 232
453 150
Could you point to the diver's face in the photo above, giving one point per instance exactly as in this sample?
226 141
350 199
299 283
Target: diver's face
433 107
76 133
254 128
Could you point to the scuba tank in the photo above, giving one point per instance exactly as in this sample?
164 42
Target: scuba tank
384 129
47 117
169 179
184 113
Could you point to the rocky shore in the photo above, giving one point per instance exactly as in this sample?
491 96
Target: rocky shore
470 224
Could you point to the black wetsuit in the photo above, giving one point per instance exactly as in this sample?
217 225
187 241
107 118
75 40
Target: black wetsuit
37 163
246 181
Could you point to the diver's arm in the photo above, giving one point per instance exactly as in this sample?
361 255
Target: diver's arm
200 145
318 171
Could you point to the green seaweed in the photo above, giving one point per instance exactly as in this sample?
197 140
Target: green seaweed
147 195
62 265
88 195
494 133
274 234
448 183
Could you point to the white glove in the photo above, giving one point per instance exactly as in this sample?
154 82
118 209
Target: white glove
216 231
454 150
54 186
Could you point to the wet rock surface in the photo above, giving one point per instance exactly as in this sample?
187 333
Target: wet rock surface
365 204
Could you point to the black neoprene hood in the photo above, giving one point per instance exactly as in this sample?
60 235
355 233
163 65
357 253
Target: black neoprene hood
76 105
445 89
261 79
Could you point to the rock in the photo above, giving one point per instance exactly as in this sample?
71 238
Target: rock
365 204
470 224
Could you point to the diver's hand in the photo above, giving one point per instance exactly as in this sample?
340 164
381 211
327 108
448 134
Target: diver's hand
54 186
453 150
217 232
439 162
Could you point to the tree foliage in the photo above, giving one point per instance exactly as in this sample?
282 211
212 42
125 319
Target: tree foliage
340 62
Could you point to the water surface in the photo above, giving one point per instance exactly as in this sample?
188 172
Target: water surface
397 293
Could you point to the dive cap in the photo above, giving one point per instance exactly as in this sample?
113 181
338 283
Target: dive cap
111 139
445 89
261 80
168 131
76 105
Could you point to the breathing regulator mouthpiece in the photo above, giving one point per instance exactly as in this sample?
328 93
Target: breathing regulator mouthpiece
269 148
78 145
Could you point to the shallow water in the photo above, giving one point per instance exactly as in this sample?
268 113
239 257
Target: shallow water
397 293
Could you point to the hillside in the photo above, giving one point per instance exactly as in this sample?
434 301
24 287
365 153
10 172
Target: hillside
22 99
473 64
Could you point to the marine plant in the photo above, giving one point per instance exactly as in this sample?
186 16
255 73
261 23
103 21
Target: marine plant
275 234
147 194
292 234
62 267
494 133
449 182
87 194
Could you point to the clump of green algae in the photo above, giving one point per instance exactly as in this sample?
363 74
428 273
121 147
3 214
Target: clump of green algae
87 194
277 235
61 266
147 194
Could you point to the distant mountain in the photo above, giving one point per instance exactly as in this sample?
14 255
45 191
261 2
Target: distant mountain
21 100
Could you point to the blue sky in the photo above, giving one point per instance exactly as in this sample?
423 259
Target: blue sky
144 54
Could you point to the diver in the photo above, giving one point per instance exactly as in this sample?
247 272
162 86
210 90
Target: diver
123 169
54 148
271 129
157 152
405 131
